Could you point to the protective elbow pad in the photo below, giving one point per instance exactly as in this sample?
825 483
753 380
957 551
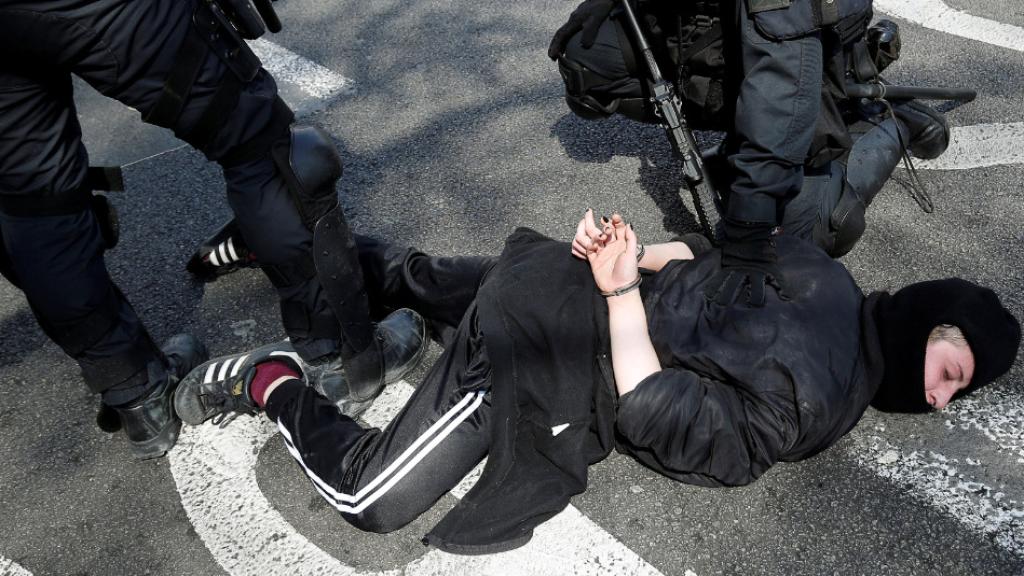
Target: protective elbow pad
311 166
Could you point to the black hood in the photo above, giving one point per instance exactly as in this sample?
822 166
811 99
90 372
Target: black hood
905 319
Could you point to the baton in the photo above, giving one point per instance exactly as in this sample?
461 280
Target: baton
266 10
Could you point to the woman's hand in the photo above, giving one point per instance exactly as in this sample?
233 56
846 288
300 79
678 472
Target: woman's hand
613 257
587 235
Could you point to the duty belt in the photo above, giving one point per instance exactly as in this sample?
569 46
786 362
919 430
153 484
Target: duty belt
46 202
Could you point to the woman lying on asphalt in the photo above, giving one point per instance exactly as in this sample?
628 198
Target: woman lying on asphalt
555 353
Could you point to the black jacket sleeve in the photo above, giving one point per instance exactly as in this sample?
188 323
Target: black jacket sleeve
700 431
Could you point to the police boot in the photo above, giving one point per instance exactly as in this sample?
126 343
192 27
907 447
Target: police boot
927 129
397 348
222 253
149 422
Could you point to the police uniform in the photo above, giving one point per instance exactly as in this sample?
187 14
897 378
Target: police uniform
770 74
184 67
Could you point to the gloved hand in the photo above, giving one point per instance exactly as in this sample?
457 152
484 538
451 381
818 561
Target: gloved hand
749 264
587 17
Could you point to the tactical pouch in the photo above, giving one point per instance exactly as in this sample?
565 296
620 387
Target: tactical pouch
211 31
757 6
801 17
698 52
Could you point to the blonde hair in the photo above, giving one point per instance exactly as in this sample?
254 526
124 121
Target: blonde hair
949 333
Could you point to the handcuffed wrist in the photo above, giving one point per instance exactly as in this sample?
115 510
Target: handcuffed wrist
626 289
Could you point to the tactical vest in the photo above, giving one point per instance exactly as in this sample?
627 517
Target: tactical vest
692 37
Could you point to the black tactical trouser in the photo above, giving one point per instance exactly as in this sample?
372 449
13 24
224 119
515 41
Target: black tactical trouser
774 124
126 50
380 480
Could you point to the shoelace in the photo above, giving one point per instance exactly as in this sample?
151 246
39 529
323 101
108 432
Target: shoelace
228 408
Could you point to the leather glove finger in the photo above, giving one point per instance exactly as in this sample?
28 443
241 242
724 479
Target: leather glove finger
561 38
759 283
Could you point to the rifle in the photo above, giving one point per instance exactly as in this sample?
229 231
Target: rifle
669 109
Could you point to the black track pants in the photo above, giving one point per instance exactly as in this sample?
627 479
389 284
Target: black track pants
381 480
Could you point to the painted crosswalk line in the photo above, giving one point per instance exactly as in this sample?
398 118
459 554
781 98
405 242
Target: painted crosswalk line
315 81
979 146
937 15
998 419
10 568
215 471
948 485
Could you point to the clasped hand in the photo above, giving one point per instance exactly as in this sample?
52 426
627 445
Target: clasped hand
609 247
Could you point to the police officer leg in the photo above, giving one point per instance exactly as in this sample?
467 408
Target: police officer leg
179 67
830 209
53 242
95 324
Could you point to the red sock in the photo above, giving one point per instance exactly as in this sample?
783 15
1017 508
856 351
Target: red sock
266 374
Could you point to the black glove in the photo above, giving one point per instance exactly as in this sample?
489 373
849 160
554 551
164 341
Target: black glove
748 266
587 17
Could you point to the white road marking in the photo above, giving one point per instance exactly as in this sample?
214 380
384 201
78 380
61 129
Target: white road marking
11 568
980 145
305 85
998 419
215 471
286 66
937 15
936 480
983 144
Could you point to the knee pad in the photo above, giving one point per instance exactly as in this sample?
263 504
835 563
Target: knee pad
846 223
580 96
311 166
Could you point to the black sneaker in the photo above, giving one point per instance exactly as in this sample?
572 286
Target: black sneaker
398 349
222 253
219 389
150 423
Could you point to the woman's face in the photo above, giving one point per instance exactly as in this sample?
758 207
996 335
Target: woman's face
948 368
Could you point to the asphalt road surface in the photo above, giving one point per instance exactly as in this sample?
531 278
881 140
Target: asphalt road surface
453 130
